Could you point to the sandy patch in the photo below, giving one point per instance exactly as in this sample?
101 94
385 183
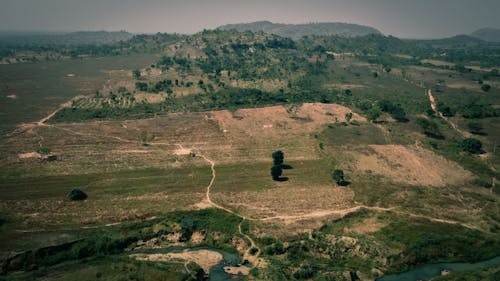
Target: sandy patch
197 237
278 121
412 165
29 155
237 270
182 151
206 259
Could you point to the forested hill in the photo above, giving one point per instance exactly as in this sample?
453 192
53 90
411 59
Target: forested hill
297 31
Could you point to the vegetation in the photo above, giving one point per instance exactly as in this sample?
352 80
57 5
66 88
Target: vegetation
278 157
338 177
145 189
77 195
43 150
472 145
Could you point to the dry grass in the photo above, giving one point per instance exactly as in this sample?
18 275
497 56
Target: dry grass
411 165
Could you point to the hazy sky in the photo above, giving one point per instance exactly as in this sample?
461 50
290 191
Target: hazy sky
402 18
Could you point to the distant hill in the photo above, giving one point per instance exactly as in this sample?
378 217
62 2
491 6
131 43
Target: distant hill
71 38
487 34
297 31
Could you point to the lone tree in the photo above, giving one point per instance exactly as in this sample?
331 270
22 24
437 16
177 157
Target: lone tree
77 195
136 73
276 172
338 176
278 157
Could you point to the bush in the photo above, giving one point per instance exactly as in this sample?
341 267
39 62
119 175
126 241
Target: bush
485 87
472 145
77 195
43 150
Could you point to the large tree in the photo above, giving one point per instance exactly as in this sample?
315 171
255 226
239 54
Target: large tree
338 176
278 157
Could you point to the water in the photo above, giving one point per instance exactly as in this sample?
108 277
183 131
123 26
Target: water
429 271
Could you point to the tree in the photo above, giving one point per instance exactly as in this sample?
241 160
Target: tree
485 87
276 172
338 176
278 157
472 145
348 116
136 73
141 86
43 150
77 195
373 114
430 128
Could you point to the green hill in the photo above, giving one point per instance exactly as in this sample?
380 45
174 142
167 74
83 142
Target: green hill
297 31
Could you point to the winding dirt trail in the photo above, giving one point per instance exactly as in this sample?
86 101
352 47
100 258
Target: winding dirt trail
253 259
452 124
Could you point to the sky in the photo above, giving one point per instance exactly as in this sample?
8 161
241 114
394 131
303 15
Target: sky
401 18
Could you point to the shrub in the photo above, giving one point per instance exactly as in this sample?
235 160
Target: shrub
43 150
472 145
485 87
77 195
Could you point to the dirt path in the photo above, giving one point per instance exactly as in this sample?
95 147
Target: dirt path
452 124
253 259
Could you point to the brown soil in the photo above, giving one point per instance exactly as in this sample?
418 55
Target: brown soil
30 155
412 165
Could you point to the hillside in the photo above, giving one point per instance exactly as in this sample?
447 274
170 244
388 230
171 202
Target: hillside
487 34
297 31
389 159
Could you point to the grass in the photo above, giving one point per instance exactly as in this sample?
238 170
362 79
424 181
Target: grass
41 87
107 268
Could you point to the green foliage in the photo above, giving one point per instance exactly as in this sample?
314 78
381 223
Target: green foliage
141 86
444 109
472 145
395 110
44 150
475 127
483 182
136 73
278 157
77 195
430 128
429 242
306 271
275 249
485 87
338 176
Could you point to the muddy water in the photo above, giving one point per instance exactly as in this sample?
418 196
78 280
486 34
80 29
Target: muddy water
429 271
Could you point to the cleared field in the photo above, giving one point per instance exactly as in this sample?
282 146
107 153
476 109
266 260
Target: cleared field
30 91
